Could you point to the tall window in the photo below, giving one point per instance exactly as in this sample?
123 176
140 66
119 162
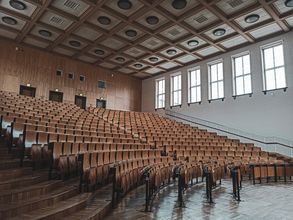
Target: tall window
160 93
176 90
216 80
194 86
241 74
273 66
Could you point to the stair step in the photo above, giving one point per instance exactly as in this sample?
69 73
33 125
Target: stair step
57 210
14 173
34 204
27 180
13 163
28 192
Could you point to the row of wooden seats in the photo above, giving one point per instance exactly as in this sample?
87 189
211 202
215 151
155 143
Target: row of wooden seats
221 153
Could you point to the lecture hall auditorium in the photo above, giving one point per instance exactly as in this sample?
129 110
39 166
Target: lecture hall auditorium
146 109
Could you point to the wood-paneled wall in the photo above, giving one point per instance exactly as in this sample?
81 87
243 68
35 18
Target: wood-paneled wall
20 67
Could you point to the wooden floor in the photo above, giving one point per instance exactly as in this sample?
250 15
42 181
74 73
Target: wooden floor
267 201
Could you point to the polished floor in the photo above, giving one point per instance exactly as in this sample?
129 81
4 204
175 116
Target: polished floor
259 202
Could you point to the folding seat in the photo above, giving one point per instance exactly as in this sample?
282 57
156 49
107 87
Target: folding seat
106 146
69 131
61 138
112 157
82 148
119 155
78 138
87 139
93 169
91 146
30 138
86 167
77 132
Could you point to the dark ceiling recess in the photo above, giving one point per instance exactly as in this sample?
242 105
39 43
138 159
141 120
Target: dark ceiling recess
138 65
219 32
289 3
251 18
45 33
131 33
179 4
18 5
99 52
9 20
124 4
74 43
192 43
171 52
104 20
154 59
152 20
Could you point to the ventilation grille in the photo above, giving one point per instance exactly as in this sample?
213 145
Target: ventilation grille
153 43
82 78
174 32
71 4
56 20
200 19
235 3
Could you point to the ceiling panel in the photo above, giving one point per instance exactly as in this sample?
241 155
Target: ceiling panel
142 37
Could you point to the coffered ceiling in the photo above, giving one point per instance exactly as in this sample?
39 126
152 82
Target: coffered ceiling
142 38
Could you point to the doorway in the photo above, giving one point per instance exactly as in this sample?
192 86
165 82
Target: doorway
27 91
101 103
80 101
56 96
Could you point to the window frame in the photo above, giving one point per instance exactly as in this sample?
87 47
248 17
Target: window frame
172 76
189 87
209 64
157 94
262 48
233 57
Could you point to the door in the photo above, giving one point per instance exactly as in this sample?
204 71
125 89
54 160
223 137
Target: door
101 103
56 96
80 101
27 91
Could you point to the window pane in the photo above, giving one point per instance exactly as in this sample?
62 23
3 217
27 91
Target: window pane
193 94
239 86
221 89
247 84
278 55
214 91
198 77
270 80
268 58
238 66
198 93
280 77
220 71
192 78
179 98
246 64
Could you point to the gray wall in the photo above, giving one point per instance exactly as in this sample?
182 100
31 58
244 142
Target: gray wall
268 115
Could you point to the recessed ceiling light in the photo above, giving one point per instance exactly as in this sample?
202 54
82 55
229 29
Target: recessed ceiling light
251 18
131 33
9 20
124 4
138 65
152 20
171 52
17 5
179 4
99 52
154 59
104 20
219 32
74 43
192 43
289 3
120 59
45 33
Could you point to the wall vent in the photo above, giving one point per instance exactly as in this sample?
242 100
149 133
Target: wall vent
200 19
56 20
82 78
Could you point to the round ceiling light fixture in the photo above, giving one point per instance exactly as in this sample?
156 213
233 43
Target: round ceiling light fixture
9 20
154 59
171 52
251 18
120 59
152 20
104 20
75 43
131 33
45 33
18 5
99 52
219 32
289 3
192 43
138 65
179 4
124 4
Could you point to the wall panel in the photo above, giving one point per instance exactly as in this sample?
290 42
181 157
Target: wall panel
39 69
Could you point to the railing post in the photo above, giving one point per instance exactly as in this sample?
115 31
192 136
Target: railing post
113 171
147 192
180 189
